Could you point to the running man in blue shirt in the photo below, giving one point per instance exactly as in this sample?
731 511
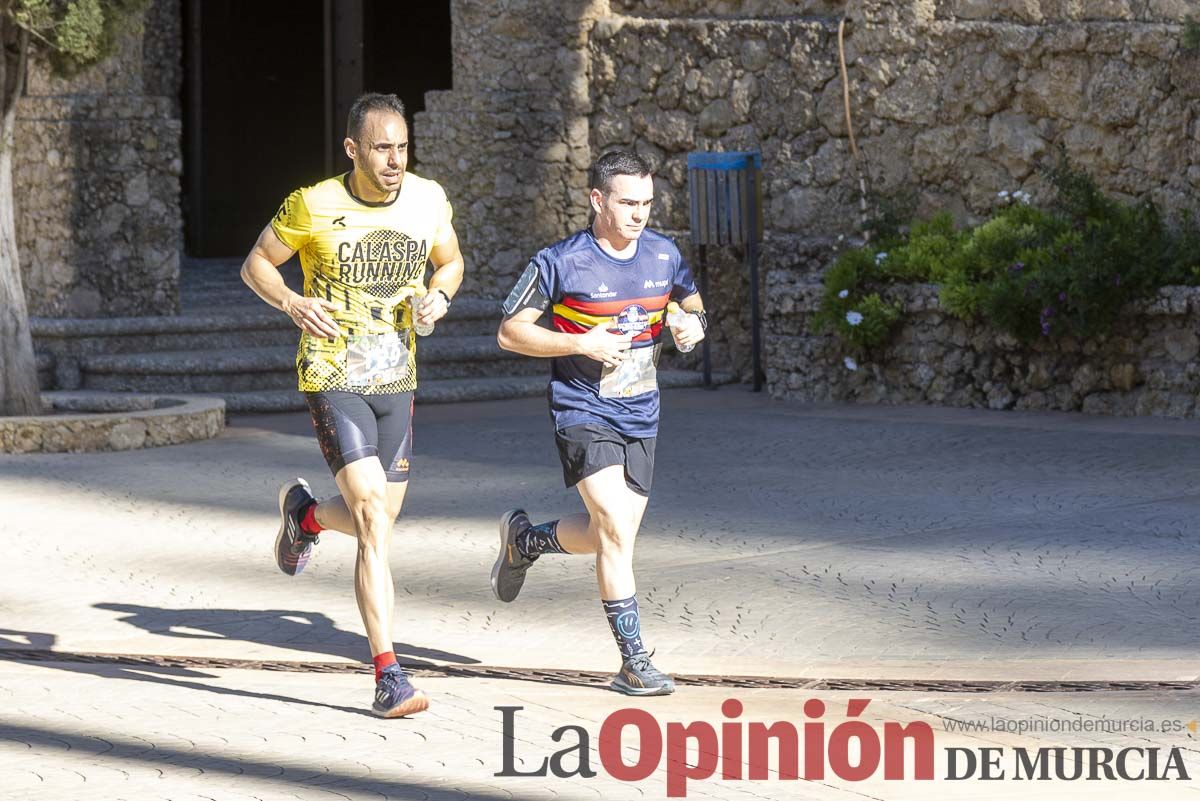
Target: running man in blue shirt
608 287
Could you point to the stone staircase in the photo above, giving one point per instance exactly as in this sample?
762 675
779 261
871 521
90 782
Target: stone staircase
228 343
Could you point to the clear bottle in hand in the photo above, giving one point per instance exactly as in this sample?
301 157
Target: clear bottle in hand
676 318
414 300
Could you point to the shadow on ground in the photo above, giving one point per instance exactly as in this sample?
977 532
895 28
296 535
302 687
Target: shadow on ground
309 631
111 747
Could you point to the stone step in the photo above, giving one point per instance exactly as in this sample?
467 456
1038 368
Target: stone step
447 390
61 344
214 286
218 328
252 327
263 368
45 369
467 316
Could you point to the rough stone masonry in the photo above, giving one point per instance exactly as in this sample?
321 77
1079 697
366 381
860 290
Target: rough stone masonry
952 99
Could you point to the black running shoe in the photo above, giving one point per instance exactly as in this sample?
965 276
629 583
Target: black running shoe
639 676
508 574
293 546
395 697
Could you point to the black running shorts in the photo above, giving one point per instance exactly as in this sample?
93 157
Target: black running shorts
587 449
351 427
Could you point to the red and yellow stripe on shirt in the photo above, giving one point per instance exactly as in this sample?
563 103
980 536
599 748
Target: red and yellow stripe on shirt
574 316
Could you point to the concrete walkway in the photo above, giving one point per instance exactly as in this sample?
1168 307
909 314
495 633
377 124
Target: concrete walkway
799 542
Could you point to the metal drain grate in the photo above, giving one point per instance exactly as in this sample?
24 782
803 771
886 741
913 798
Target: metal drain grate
589 678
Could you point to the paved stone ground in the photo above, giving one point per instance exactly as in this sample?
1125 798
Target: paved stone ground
782 540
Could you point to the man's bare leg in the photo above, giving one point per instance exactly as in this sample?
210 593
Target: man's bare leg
371 503
366 500
333 514
609 531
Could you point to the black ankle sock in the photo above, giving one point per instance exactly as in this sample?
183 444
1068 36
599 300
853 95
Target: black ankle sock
537 540
626 623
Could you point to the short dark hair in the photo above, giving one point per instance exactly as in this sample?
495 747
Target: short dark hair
366 103
614 163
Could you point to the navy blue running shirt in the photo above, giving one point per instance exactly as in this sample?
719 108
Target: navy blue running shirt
587 285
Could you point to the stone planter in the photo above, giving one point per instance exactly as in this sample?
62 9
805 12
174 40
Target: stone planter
91 421
1146 365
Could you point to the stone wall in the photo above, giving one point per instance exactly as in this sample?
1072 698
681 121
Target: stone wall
665 9
96 180
510 140
953 100
1037 12
1146 366
953 108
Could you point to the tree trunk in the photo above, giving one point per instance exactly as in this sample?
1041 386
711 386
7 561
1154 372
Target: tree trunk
19 393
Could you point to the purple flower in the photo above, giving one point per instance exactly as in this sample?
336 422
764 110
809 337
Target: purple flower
1045 328
1047 312
1062 296
1017 267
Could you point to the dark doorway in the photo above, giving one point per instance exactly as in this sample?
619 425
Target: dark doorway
265 96
407 71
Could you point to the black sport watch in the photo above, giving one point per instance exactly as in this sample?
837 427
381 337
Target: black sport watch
702 317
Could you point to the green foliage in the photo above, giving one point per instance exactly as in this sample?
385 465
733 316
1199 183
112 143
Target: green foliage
1065 269
1183 255
928 253
1191 35
77 33
850 307
892 214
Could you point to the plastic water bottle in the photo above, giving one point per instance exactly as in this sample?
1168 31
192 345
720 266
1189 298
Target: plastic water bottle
414 300
676 317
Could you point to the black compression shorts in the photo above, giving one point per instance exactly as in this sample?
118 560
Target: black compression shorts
351 427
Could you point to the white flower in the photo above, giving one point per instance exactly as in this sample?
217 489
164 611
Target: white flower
1024 197
841 237
845 293
879 257
850 363
853 317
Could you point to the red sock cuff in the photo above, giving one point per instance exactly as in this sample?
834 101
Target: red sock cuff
308 523
383 660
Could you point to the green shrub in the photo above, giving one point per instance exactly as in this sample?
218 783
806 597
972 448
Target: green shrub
1065 269
851 307
1191 35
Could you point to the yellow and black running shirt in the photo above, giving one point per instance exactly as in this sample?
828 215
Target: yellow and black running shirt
364 257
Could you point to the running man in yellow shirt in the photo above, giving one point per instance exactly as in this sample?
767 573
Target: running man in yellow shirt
364 239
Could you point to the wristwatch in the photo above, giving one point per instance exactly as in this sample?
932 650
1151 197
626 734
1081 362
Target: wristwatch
702 317
444 295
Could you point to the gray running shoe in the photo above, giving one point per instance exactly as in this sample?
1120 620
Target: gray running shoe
508 574
639 676
395 697
293 545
